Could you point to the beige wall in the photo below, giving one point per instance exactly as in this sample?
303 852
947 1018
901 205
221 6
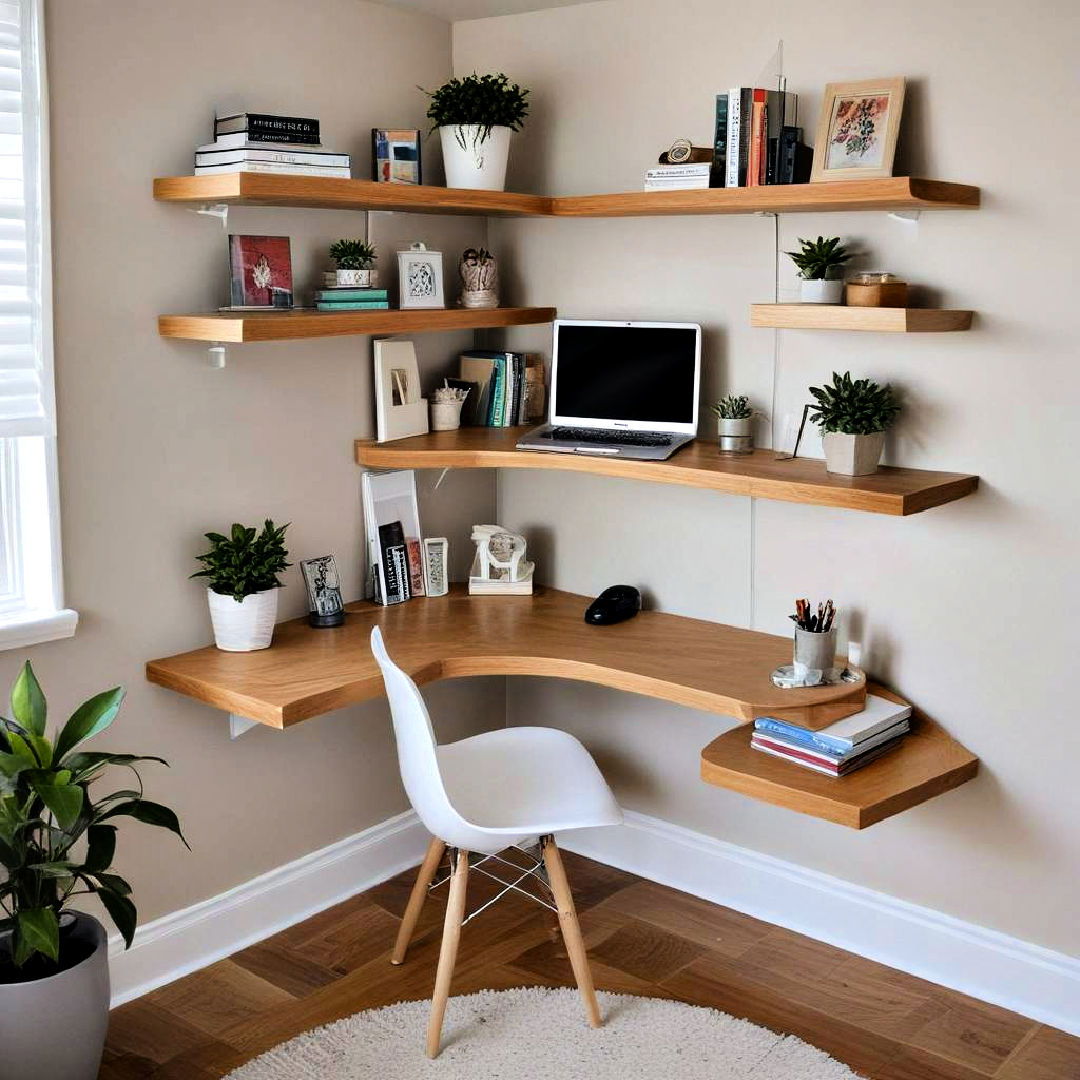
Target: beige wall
970 609
156 447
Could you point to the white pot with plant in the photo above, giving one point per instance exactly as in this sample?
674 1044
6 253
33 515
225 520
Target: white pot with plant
57 841
242 570
354 260
475 117
735 424
853 415
819 264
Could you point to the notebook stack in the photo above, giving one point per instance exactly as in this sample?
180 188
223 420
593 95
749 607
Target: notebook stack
678 177
263 143
841 748
346 298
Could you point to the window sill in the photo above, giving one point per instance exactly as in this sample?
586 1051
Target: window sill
33 627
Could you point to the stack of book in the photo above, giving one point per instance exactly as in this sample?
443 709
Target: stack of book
347 298
842 747
756 140
498 385
678 177
261 142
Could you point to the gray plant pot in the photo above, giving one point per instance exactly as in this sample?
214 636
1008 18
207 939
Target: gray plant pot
54 1028
736 436
853 455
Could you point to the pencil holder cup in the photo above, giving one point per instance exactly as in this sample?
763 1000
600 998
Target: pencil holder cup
815 656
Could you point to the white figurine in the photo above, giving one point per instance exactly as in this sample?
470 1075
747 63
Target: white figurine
500 566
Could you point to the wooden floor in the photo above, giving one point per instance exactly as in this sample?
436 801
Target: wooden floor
643 939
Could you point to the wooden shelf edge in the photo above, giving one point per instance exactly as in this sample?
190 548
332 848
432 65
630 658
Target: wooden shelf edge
841 317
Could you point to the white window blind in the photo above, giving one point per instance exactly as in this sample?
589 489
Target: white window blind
26 376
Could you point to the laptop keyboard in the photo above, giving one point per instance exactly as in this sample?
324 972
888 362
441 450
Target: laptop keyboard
616 436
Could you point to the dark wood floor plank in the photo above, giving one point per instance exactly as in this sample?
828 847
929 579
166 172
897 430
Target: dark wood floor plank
982 1036
1048 1055
284 967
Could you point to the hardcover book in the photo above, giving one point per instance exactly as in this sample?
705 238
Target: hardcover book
261 271
269 127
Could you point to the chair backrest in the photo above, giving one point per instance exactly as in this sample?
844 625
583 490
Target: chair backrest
416 745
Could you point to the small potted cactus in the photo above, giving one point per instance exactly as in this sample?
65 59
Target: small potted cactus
819 262
354 260
735 424
853 415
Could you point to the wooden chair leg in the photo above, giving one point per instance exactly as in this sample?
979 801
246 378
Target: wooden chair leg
416 898
455 910
571 931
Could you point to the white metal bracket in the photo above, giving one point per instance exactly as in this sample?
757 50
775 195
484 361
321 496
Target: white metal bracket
765 213
908 217
442 477
238 725
218 210
216 355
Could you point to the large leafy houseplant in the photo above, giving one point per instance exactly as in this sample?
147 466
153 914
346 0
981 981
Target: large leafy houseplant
483 101
57 833
853 415
246 561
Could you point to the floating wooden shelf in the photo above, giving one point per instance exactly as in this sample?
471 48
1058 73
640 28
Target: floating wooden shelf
702 665
889 491
927 763
269 189
241 326
839 317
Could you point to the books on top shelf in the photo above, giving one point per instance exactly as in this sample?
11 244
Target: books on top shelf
259 142
756 139
842 747
677 177
499 385
348 298
268 127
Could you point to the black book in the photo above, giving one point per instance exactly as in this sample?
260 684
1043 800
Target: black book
718 173
790 138
267 127
395 563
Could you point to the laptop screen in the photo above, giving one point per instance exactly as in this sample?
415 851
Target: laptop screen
619 371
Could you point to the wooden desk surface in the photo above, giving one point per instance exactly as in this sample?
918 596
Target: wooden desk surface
703 665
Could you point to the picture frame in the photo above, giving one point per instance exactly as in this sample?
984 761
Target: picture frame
420 278
436 565
325 606
261 272
857 130
395 156
400 411
392 525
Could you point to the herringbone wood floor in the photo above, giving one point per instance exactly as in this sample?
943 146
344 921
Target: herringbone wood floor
642 938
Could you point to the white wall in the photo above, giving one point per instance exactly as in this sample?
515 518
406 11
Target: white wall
968 609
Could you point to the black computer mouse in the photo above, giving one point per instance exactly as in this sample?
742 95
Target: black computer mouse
614 605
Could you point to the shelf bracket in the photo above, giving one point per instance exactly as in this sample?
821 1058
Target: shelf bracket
442 477
239 725
216 355
218 210
908 217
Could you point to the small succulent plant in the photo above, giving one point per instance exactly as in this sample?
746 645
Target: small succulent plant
817 259
733 407
853 406
352 254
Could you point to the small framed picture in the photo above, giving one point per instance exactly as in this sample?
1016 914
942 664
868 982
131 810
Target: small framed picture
324 591
261 272
435 571
400 411
395 155
856 136
420 278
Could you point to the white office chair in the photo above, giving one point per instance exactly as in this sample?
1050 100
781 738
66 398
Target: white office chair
484 794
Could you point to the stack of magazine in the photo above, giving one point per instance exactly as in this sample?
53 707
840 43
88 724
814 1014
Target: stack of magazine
266 143
840 748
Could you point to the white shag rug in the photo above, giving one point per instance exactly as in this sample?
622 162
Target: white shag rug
522 1034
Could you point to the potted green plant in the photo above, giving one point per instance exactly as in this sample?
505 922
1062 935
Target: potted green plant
818 262
735 424
57 842
475 116
354 260
242 570
853 415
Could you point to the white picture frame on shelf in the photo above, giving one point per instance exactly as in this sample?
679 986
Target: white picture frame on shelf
436 569
400 411
420 278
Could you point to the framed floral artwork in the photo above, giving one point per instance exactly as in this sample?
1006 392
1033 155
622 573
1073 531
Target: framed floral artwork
420 278
856 136
261 272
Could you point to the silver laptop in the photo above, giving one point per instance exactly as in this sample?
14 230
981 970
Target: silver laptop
621 389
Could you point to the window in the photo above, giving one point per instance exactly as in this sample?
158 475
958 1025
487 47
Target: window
31 602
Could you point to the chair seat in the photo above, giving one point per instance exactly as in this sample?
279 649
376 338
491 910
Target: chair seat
526 781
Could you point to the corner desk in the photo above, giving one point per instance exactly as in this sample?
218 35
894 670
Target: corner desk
702 665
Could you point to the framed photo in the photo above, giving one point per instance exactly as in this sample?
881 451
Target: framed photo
324 591
435 565
395 155
392 524
261 272
856 136
420 278
400 411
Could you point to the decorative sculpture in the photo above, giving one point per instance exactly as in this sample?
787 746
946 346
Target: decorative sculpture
479 279
500 566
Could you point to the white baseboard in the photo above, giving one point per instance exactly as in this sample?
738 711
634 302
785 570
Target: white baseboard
991 966
184 941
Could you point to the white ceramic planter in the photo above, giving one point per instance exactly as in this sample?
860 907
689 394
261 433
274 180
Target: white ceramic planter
54 1028
477 165
360 279
244 626
736 436
820 291
446 415
853 455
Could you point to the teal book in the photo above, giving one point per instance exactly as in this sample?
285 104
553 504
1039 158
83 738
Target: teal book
359 305
498 389
351 294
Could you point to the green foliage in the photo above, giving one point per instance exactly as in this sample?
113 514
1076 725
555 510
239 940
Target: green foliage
733 407
818 258
244 563
48 811
853 407
353 254
486 100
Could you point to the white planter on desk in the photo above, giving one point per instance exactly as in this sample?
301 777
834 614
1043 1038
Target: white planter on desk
245 625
